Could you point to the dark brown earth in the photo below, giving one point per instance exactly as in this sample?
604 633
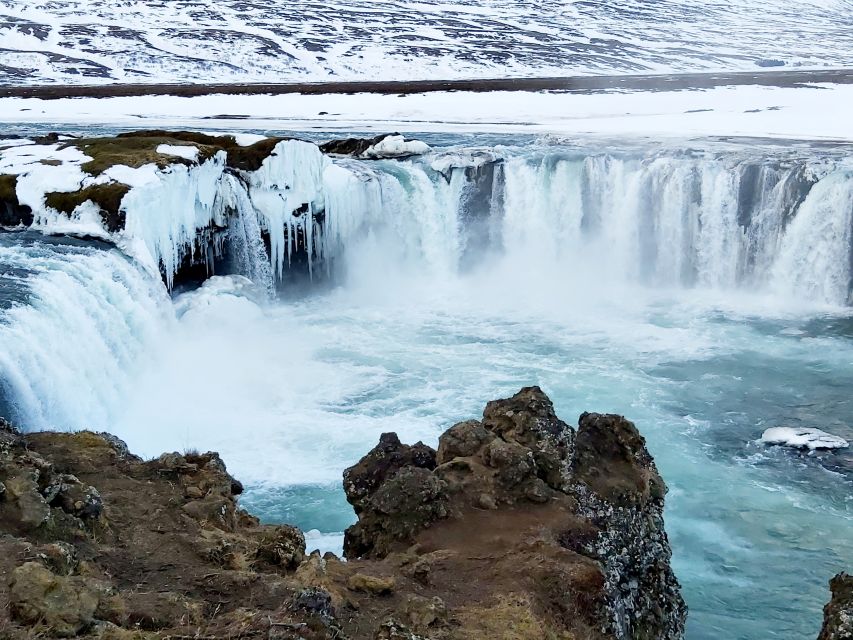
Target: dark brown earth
577 84
510 531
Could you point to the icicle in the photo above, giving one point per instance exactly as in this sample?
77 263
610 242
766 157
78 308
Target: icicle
289 180
165 215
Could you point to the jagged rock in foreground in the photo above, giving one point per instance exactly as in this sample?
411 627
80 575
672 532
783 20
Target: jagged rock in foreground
516 528
568 524
838 613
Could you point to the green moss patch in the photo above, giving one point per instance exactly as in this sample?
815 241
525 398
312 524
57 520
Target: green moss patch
137 148
132 152
249 158
106 196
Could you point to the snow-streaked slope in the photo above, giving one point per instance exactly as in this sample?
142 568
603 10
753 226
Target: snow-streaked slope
89 41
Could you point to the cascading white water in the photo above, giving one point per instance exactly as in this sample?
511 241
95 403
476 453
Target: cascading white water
661 220
69 353
246 243
814 259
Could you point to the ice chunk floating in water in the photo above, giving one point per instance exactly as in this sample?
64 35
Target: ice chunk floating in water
803 438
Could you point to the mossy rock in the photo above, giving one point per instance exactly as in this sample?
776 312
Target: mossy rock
106 196
133 151
12 212
8 189
137 148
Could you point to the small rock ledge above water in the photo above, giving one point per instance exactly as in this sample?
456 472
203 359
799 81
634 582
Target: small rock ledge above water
517 527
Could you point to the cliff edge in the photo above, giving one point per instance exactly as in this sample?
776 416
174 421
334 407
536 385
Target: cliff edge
517 527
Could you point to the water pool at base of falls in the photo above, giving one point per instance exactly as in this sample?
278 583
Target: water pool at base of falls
700 353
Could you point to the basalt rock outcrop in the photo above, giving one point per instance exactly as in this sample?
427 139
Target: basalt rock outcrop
838 613
518 527
579 513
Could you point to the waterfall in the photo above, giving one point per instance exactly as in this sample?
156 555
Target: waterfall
671 218
814 259
79 327
660 219
245 240
78 318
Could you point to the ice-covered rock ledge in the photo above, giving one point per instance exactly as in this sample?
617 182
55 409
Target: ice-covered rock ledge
803 438
169 198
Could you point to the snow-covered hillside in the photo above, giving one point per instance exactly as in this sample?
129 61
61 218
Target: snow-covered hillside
92 41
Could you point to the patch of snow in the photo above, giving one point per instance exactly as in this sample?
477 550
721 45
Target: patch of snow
188 152
803 438
132 177
470 158
247 139
5 143
396 147
40 179
812 112
24 158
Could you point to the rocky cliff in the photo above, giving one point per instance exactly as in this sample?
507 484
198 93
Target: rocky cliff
518 527
838 613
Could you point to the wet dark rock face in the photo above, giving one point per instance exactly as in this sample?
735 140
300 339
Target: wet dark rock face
354 147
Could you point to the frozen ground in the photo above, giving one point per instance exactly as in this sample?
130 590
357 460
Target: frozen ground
95 41
818 111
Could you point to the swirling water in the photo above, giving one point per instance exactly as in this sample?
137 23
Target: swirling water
699 295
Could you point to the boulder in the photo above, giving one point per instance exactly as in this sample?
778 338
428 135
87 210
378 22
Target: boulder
283 546
23 498
380 464
64 605
374 585
803 438
403 505
421 613
383 146
611 459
